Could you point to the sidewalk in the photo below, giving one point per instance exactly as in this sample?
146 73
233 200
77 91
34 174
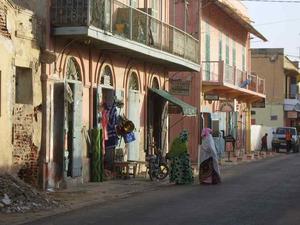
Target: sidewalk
253 156
94 193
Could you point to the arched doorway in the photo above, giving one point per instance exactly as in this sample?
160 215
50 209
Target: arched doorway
104 96
67 123
73 115
133 112
155 83
157 120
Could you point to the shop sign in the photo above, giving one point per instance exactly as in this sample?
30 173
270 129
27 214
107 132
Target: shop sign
259 104
226 107
211 97
292 115
180 87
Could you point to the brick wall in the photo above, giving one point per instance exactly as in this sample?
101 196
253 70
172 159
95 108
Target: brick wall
25 153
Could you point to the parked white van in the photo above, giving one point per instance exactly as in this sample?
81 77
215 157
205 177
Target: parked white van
278 141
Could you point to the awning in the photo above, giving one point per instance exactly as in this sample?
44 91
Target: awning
187 110
292 107
232 12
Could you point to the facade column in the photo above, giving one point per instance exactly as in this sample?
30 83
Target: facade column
248 129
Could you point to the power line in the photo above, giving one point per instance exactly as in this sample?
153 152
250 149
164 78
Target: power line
276 22
272 1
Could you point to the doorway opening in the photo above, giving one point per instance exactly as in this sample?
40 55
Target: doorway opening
67 123
104 96
157 121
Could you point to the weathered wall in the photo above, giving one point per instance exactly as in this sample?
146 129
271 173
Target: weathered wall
268 64
263 115
6 101
21 137
257 132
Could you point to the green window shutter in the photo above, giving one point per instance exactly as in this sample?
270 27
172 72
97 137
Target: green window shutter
227 50
243 59
233 54
207 52
133 3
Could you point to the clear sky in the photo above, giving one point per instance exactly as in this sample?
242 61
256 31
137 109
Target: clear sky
279 23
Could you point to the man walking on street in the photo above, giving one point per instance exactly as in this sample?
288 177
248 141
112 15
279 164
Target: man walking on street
264 143
288 140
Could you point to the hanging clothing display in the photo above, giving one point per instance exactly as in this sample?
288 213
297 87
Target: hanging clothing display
112 140
104 122
97 156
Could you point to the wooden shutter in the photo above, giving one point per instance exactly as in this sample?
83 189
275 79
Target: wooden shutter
77 127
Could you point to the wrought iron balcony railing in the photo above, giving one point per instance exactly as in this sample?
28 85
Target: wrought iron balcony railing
219 72
117 18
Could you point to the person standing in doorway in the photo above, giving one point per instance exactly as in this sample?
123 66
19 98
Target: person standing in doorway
288 140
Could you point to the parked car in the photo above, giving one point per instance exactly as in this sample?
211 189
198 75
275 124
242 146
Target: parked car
278 141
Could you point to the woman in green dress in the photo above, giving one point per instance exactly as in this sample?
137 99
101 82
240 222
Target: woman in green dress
181 170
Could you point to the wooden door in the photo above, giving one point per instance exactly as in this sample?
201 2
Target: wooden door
134 116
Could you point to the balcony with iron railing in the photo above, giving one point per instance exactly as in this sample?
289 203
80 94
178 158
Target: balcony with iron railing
121 26
219 73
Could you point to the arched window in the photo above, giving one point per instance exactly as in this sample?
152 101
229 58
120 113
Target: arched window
106 76
73 70
133 82
155 83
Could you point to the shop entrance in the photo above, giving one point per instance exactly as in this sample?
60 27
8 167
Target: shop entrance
158 112
104 96
157 122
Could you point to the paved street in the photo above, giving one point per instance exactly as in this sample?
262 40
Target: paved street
265 192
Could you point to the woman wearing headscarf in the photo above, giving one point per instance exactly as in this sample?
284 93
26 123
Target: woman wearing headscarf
181 170
209 172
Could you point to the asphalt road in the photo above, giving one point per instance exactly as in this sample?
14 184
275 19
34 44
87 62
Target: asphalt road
265 192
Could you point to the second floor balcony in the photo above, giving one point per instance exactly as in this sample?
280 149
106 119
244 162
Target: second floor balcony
117 26
231 82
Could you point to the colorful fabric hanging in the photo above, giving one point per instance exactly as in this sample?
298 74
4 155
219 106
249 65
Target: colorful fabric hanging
97 156
111 128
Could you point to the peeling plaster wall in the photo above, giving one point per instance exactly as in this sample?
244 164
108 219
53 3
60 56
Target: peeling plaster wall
20 135
6 101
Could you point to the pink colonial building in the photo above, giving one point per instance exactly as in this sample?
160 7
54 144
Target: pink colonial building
225 88
103 51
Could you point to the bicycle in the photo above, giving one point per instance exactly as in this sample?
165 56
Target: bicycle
157 166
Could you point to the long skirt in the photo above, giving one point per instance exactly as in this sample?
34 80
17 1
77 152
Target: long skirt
181 170
207 173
